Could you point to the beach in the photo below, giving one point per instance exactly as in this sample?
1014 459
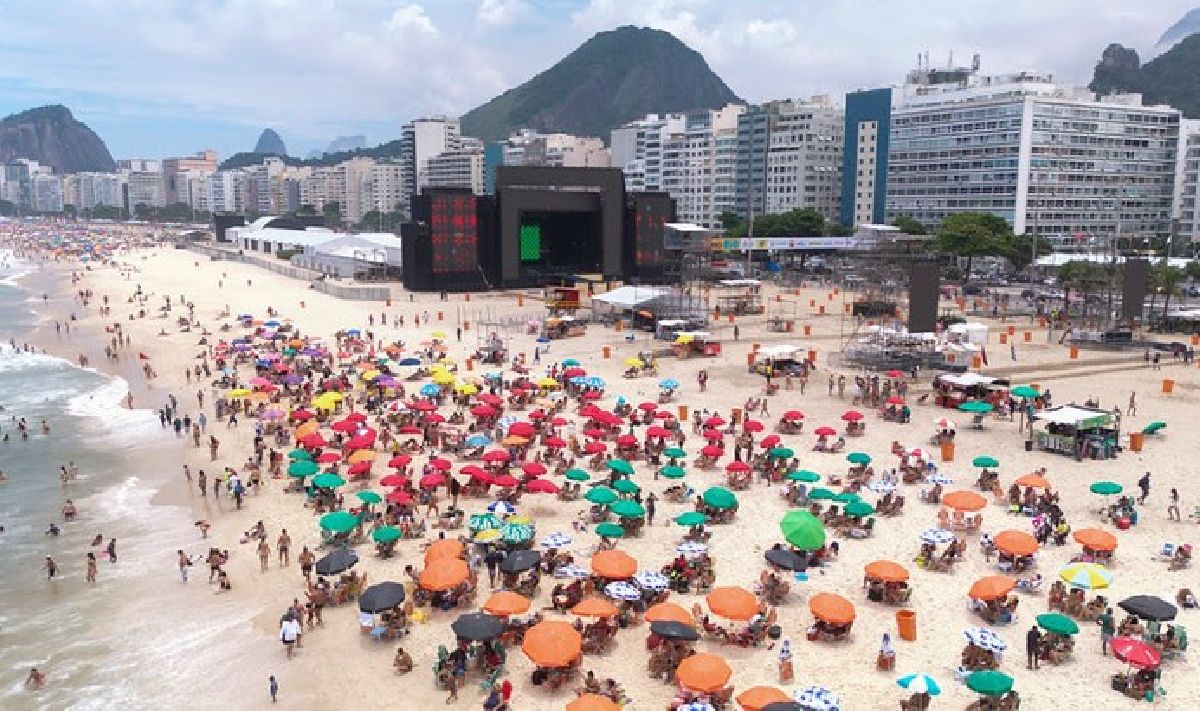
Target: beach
145 637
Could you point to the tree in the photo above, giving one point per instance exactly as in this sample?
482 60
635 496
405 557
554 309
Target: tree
374 220
973 234
1019 250
8 208
909 225
306 209
333 214
1079 276
729 219
1165 279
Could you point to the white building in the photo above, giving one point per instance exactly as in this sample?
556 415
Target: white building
556 150
352 255
462 168
144 188
421 140
47 193
98 189
224 189
1048 158
637 148
804 157
387 187
1187 181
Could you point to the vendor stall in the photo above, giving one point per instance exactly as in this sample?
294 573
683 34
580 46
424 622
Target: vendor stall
1078 431
781 359
689 343
563 327
955 389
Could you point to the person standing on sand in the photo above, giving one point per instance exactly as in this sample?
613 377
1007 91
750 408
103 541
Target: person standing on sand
1132 409
203 481
111 549
1173 507
213 445
264 554
306 560
91 567
1144 485
273 689
284 545
184 562
1033 647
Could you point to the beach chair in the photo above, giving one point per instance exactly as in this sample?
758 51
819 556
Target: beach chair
1167 552
490 680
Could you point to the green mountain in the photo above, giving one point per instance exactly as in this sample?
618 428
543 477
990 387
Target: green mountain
270 143
51 136
1170 78
614 77
391 149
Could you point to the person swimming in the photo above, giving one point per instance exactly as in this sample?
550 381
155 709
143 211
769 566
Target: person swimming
54 530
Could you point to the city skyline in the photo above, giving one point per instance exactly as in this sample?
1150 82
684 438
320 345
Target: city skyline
226 71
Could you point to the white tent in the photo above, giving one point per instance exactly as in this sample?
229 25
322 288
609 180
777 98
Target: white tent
631 297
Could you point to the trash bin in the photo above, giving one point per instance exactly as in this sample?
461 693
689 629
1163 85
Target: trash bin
947 451
1168 386
1136 439
1028 445
906 623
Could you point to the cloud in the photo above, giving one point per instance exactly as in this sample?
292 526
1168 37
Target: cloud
500 12
411 17
770 31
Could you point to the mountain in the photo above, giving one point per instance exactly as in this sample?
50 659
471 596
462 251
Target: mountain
384 151
614 77
51 136
1187 26
347 143
269 142
1170 78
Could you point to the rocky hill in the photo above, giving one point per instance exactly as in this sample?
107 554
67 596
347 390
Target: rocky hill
52 136
270 143
1170 78
1187 26
614 77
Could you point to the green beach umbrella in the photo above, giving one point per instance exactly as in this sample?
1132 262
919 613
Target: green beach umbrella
990 683
601 495
483 522
610 530
516 532
577 475
386 534
625 486
1024 391
858 458
674 453
720 498
299 454
845 497
691 518
803 530
1058 624
672 472
369 497
339 522
571 362
1153 427
804 475
781 453
627 508
978 407
858 509
327 481
985 461
620 466
302 468
290 352
820 494
1106 488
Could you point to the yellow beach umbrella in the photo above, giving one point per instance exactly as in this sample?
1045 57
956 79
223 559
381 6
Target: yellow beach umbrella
519 519
239 392
467 388
371 375
362 455
548 383
438 334
635 362
443 378
487 535
685 338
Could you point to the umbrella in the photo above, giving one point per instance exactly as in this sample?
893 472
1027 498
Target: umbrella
620 466
672 472
936 536
1058 624
651 580
339 522
600 495
990 683
594 606
478 440
327 481
627 508
302 468
669 611
671 629
380 597
668 384
1037 481
992 587
1096 539
1106 488
386 534
719 498
780 453
520 561
691 518
444 548
803 530
985 639
858 509
824 431
1088 576
964 500
501 508
733 603
939 479
1024 391
793 415
805 475
846 497
817 698
834 609
1148 607
443 574
852 415
691 548
881 487
556 540
783 558
299 454
483 522
613 564
1016 542
626 486
336 562
861 458
703 672
674 453
887 571
1154 427
757 698
621 590
610 530
820 494
516 532
577 475
920 684
978 407
552 643
505 603
593 702
1135 652
477 627
985 462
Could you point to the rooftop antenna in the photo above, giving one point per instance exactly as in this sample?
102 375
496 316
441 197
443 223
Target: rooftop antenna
950 60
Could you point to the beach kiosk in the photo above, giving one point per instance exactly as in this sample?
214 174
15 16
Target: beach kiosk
702 343
563 327
955 389
781 358
1077 431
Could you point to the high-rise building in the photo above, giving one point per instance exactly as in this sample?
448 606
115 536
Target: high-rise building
750 177
460 168
804 157
98 190
387 187
421 140
866 141
19 176
47 193
143 188
175 188
1050 159
225 190
637 148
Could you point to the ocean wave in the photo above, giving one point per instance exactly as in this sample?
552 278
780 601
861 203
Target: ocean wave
106 404
16 359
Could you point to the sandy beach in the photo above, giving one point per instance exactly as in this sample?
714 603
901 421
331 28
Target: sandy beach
339 666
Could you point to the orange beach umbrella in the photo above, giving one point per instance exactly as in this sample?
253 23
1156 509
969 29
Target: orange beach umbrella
1037 481
552 644
595 606
1096 539
703 672
758 697
834 609
443 548
669 612
964 500
593 702
992 587
444 574
733 603
887 571
614 564
1016 542
505 604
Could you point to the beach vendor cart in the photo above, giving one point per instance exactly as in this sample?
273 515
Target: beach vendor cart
780 359
563 327
1078 431
953 390
702 343
492 351
562 299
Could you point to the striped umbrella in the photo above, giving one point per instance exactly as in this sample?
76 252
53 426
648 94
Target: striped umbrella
818 698
920 684
691 548
483 522
651 580
572 571
501 508
516 532
556 540
936 536
984 638
621 590
1089 576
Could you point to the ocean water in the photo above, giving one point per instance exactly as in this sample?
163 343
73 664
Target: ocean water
105 645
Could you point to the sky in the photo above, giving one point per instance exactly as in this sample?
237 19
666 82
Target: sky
157 78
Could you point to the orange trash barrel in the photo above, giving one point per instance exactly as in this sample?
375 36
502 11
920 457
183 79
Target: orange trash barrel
812 356
683 413
976 362
750 358
736 415
607 351
1136 440
1028 336
947 451
1003 338
906 624
1168 386
1074 353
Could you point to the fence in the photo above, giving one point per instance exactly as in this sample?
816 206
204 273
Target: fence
316 280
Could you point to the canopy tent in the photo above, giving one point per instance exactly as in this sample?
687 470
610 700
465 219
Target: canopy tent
1077 416
630 297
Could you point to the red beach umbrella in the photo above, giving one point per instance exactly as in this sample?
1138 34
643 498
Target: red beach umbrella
752 426
533 468
430 481
398 461
496 456
541 486
328 458
825 431
402 498
505 480
393 480
712 451
554 442
442 465
594 447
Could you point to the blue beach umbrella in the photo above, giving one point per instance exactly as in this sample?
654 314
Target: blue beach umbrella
668 384
410 361
920 684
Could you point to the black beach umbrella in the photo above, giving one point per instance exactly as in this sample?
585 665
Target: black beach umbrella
337 562
519 561
1148 607
784 706
380 597
786 559
477 627
671 629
